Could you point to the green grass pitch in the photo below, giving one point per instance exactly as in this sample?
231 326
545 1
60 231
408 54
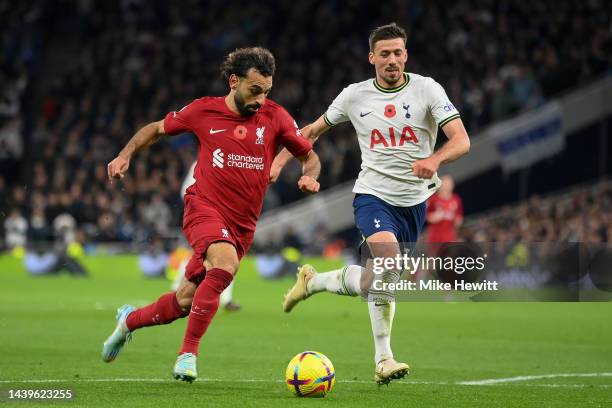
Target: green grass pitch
52 329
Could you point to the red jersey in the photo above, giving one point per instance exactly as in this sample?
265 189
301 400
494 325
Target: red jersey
452 209
235 153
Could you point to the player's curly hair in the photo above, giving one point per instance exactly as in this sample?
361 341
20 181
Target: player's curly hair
241 60
386 32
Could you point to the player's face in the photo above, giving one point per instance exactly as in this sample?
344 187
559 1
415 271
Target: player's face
389 59
251 92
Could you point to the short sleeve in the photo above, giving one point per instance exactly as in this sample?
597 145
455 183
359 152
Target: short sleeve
338 110
441 108
290 135
181 121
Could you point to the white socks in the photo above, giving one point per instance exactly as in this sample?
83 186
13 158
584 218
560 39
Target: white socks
343 281
381 317
381 304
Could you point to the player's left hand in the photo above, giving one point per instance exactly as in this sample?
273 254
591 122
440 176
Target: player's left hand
425 168
308 185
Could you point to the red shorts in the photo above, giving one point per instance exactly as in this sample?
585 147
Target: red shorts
204 225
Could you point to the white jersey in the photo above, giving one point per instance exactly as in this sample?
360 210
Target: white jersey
395 128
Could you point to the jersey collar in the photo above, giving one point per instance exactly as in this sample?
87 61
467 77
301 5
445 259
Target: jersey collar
393 90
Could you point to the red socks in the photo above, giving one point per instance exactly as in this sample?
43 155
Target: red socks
165 310
204 306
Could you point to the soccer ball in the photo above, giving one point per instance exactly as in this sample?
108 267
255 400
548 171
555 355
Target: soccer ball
310 374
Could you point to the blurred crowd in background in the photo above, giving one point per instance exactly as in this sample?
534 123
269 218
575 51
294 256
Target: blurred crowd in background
78 78
580 215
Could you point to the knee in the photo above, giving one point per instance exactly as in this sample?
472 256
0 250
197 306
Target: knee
386 251
228 265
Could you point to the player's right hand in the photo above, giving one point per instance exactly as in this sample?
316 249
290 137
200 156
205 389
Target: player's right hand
118 167
426 168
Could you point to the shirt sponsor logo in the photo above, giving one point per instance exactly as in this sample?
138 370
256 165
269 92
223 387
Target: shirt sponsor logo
217 159
240 161
449 107
390 140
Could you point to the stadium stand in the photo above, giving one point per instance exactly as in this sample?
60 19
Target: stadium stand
111 69
582 214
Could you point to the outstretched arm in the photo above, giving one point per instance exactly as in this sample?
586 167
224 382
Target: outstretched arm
146 136
458 144
311 133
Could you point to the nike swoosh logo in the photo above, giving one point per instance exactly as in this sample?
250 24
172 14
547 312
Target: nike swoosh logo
365 114
213 131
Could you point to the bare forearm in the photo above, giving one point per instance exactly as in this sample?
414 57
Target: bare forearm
311 167
283 157
146 136
314 130
458 142
452 150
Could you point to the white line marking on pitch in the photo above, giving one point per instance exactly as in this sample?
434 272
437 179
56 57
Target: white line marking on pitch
492 381
239 380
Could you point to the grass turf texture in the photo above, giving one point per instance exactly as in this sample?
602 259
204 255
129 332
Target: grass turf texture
53 329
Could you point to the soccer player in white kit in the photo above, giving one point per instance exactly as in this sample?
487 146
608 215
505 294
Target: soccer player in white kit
396 116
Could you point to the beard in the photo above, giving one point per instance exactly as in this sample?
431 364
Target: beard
243 108
392 77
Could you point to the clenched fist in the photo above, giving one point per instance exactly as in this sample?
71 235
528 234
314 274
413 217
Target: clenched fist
308 185
118 167
425 168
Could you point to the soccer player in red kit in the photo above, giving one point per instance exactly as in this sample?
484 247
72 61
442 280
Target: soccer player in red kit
239 135
444 213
